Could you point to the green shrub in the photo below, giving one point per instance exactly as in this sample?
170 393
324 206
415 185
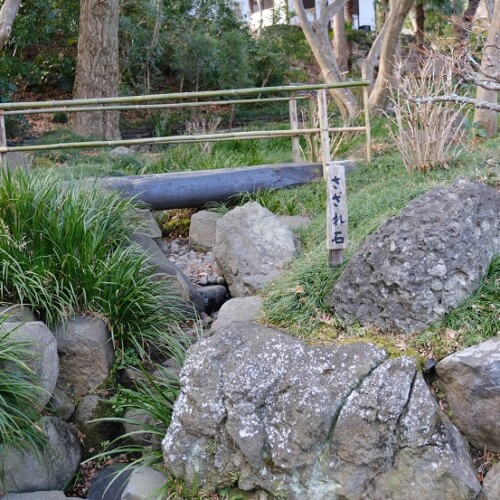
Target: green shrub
65 250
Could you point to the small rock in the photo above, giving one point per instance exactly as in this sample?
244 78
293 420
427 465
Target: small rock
164 247
17 161
145 483
109 483
39 495
491 485
238 309
212 279
91 407
61 405
214 296
202 230
137 425
121 151
221 280
203 281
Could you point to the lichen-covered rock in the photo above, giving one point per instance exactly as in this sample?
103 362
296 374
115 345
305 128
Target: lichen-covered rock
470 380
311 422
41 346
423 262
45 470
252 247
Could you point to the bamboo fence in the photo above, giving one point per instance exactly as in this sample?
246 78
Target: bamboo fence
126 103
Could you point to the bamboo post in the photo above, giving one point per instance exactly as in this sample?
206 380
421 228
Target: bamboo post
294 125
336 212
367 125
323 126
3 139
312 112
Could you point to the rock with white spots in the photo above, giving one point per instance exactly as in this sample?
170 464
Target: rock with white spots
424 262
316 422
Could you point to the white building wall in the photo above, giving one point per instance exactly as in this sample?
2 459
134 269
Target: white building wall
257 19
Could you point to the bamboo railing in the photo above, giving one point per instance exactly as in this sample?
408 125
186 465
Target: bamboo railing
139 102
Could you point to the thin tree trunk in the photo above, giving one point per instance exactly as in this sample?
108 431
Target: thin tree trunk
419 25
462 28
154 43
368 65
97 73
381 12
317 37
8 14
397 15
490 62
340 48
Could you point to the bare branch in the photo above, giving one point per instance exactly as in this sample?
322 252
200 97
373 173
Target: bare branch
453 98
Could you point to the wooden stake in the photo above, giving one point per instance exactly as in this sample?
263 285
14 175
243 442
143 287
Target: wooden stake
336 212
294 125
368 126
3 139
323 126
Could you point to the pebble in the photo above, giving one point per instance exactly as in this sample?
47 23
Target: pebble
200 267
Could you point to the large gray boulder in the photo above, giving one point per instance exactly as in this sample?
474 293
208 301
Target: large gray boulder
423 262
470 380
304 421
45 470
252 247
86 354
41 346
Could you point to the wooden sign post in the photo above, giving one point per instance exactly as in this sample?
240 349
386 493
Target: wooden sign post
336 212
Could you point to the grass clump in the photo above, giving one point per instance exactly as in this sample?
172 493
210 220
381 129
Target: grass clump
18 391
65 250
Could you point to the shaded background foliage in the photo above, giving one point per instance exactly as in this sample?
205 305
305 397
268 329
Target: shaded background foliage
182 44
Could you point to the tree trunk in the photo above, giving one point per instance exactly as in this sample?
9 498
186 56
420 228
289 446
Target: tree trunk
97 73
419 25
340 48
8 14
317 37
462 28
397 15
381 12
368 65
490 62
